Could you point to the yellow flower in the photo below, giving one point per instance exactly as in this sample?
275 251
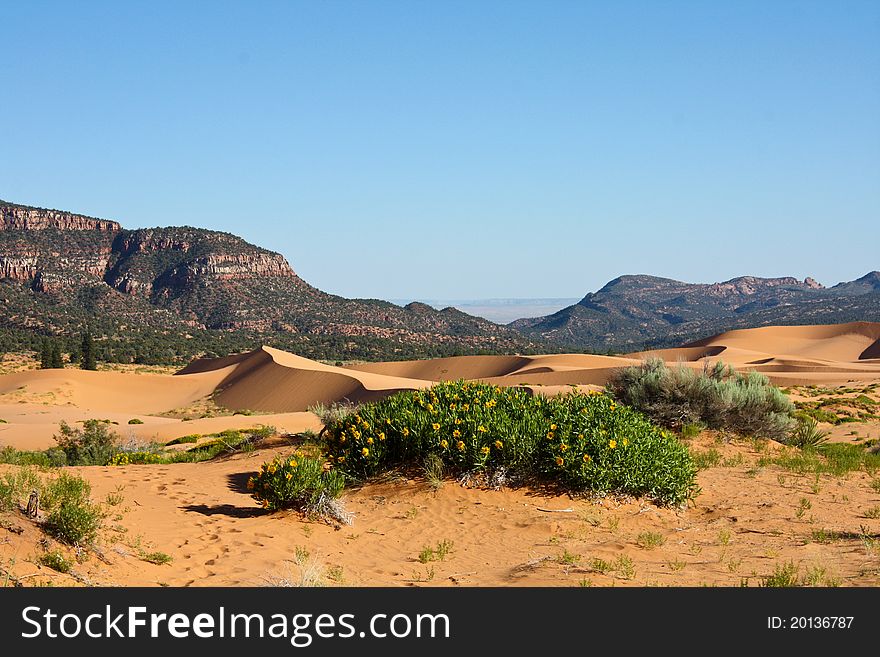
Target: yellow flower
612 444
484 450
560 461
272 469
452 407
357 418
444 443
580 436
370 440
552 427
292 463
435 426
458 420
586 458
356 434
456 434
482 429
563 447
405 431
288 476
366 425
549 435
342 437
388 421
613 407
341 459
498 444
465 406
250 483
381 435
460 446
625 442
365 451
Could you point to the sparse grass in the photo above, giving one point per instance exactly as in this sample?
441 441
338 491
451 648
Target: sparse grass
803 506
568 558
336 574
432 468
705 459
873 513
624 567
650 540
601 566
824 536
158 558
784 576
691 430
724 537
677 565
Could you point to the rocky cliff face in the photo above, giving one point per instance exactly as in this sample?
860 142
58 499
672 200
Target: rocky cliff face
204 280
20 217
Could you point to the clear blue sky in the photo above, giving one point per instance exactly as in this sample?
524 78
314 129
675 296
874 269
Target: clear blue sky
462 149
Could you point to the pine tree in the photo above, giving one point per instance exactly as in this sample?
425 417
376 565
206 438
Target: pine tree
87 357
45 355
57 362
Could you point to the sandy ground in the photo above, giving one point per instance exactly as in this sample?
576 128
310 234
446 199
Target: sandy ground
748 521
751 517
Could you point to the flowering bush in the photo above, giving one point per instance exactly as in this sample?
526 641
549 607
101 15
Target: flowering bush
586 442
299 482
593 443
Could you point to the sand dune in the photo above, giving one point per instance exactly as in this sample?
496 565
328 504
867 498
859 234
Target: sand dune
281 386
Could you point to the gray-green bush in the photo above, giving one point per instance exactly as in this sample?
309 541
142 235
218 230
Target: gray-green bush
716 396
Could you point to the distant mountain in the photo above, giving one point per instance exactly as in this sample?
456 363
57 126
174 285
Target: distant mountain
181 290
500 311
636 312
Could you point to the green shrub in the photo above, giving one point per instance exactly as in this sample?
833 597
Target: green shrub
135 420
158 558
94 444
183 440
302 483
717 397
72 517
585 442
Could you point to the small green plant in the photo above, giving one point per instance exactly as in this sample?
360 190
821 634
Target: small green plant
650 540
438 553
873 513
803 506
568 558
806 433
56 561
158 558
724 537
601 566
300 482
624 567
785 575
677 565
135 420
336 574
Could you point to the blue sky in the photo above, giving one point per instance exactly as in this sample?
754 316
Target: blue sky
462 149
